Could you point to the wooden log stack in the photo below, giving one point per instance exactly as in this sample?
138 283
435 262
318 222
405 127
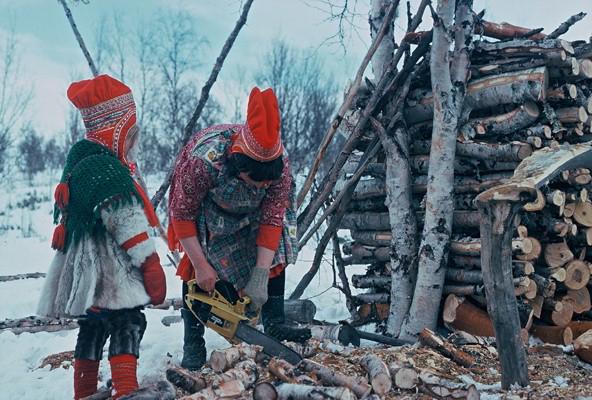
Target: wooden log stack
523 95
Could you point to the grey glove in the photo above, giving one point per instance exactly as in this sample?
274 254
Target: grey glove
256 289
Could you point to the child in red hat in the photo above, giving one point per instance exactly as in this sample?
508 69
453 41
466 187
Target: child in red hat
106 268
233 212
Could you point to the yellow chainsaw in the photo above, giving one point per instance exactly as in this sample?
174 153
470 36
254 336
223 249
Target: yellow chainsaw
224 311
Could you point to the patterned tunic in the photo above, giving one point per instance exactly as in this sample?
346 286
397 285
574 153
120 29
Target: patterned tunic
228 211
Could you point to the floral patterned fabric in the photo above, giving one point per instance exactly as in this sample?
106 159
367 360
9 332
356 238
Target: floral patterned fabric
227 210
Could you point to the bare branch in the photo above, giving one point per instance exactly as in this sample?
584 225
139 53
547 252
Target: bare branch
564 27
344 107
205 92
89 59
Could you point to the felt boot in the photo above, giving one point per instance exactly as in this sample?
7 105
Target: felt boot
274 322
194 345
273 317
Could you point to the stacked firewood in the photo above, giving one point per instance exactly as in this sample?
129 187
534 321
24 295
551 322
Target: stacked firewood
524 94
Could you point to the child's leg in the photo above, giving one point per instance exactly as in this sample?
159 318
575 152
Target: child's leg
87 355
126 328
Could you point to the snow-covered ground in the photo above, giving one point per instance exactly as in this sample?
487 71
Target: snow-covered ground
25 236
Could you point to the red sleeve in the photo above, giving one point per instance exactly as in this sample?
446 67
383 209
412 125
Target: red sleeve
184 229
191 182
269 236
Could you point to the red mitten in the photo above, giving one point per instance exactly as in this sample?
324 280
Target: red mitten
154 280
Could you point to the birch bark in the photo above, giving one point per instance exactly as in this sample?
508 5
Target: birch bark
449 87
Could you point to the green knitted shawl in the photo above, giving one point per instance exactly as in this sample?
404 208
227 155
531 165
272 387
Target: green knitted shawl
97 181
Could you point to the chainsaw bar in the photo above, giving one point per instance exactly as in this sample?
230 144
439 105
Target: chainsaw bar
271 346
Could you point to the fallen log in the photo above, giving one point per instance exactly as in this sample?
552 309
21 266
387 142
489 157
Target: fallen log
185 379
35 324
343 333
314 346
291 391
297 310
33 275
245 371
583 347
224 359
553 334
442 392
265 391
282 370
430 339
383 339
461 315
330 377
404 375
231 389
578 328
378 373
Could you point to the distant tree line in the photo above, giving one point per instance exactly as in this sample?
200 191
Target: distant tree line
161 61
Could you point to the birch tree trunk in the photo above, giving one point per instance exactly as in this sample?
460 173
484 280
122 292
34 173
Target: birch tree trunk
449 87
403 227
384 52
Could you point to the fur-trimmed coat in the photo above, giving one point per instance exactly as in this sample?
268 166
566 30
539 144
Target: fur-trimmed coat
101 270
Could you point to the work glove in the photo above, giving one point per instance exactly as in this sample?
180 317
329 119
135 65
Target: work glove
256 289
154 279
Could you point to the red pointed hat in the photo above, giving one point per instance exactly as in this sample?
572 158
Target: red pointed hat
260 138
108 111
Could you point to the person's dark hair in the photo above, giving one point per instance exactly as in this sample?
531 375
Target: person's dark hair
256 170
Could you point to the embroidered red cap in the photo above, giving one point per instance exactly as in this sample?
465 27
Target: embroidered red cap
260 138
108 111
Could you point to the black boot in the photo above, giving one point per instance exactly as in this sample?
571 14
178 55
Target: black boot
194 345
273 317
274 322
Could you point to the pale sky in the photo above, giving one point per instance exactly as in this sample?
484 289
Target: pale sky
50 54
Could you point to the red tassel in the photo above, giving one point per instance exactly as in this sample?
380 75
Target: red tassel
59 237
148 210
62 195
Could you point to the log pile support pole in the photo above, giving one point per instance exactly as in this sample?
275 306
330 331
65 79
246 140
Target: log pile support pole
496 263
497 208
